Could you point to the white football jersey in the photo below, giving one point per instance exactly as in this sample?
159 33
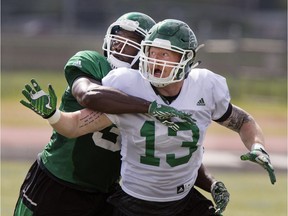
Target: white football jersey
159 164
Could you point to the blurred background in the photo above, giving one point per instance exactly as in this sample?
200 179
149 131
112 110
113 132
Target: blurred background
242 37
245 41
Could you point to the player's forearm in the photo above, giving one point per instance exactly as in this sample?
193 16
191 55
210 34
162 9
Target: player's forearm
244 124
91 94
204 179
78 123
109 100
251 133
64 123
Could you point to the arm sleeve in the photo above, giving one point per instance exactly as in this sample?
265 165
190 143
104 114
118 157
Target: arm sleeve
226 114
86 63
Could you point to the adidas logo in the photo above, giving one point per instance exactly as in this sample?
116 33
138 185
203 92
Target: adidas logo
201 102
184 187
180 189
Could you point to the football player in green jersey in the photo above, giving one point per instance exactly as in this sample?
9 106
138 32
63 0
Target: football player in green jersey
82 176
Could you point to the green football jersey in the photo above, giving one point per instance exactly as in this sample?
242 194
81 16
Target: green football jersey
90 162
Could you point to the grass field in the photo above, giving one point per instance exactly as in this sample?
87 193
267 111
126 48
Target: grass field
250 195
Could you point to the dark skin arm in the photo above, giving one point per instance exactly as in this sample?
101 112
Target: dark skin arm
204 179
91 94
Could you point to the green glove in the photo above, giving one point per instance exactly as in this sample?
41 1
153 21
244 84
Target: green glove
220 196
163 113
261 157
39 101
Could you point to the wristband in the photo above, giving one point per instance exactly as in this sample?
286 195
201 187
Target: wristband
55 117
212 186
257 146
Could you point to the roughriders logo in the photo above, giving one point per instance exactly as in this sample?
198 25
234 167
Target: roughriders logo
192 40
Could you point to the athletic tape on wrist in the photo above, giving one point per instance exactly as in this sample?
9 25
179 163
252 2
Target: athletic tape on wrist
257 146
55 117
212 186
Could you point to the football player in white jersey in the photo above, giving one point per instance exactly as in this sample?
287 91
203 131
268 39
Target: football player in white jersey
159 164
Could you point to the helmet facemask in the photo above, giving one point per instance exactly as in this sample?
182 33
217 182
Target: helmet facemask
112 38
135 22
149 66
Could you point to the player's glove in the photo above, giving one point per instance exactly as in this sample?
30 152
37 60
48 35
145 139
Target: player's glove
260 156
39 101
163 113
220 196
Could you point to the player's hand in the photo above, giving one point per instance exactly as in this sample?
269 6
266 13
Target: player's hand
39 101
170 124
220 196
261 157
163 113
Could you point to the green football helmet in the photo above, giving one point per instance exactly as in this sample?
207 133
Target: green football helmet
133 21
173 35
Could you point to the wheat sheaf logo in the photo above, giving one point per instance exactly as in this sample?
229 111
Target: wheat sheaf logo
192 40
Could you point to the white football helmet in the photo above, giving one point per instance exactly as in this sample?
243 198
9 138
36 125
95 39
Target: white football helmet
134 21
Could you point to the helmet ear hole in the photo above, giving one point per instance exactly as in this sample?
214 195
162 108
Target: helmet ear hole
188 67
115 29
191 54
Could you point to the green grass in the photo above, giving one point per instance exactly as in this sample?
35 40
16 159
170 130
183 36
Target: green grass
13 113
251 193
12 83
12 176
258 89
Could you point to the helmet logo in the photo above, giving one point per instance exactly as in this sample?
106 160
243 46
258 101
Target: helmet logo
192 40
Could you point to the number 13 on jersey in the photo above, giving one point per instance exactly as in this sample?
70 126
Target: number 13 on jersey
148 131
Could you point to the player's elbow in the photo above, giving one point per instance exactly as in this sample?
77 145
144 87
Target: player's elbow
89 99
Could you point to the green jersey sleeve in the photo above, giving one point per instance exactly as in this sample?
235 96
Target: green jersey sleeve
86 63
79 162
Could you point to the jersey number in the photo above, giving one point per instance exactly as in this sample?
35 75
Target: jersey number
107 139
148 131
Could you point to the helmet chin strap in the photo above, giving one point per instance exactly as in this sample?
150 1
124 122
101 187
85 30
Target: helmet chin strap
159 85
135 59
116 63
